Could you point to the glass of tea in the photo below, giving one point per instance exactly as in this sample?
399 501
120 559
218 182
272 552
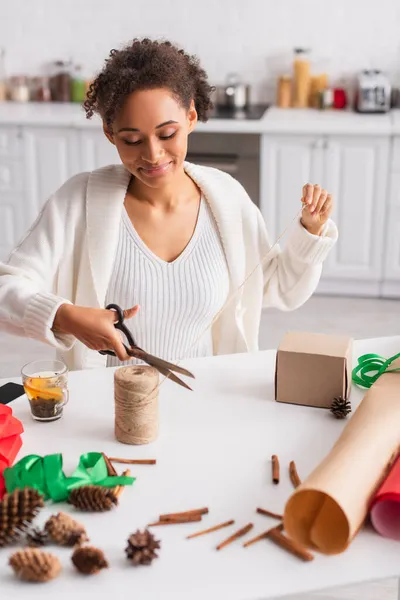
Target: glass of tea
46 385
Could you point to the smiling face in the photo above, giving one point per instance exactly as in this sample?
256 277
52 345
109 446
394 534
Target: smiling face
150 133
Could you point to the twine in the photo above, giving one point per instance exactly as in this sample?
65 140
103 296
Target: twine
136 404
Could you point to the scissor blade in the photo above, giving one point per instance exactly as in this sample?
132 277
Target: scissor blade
170 375
158 362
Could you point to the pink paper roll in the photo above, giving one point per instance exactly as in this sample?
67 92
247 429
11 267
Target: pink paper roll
385 505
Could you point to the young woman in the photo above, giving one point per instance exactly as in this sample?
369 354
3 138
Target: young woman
156 232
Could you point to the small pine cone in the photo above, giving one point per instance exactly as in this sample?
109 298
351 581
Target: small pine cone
94 498
32 564
340 407
65 531
36 537
89 560
17 511
141 548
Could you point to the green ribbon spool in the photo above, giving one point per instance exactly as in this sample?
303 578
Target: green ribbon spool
370 367
46 475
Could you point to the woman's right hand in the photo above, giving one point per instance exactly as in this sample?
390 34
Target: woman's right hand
94 327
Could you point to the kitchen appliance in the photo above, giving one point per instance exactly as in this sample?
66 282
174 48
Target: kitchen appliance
235 153
234 94
252 112
373 92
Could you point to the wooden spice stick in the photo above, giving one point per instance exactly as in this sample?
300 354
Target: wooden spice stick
119 489
268 513
210 530
110 468
134 461
275 468
235 536
262 536
195 511
294 477
184 519
289 545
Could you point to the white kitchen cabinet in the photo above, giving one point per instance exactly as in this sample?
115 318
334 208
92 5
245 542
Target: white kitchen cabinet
391 282
12 189
50 159
356 172
288 162
96 151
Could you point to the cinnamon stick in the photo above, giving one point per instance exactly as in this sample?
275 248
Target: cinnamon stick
268 513
289 545
183 519
194 511
275 468
262 536
119 488
134 461
210 530
235 536
110 467
294 477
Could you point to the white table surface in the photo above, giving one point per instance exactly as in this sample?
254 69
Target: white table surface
213 450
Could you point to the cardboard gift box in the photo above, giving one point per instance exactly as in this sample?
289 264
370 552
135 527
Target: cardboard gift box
313 368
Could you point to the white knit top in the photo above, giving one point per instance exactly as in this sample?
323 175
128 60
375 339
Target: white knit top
178 300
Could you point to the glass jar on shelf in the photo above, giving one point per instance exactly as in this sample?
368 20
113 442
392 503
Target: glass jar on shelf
19 89
301 78
60 82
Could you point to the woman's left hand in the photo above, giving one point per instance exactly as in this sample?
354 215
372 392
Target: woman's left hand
317 208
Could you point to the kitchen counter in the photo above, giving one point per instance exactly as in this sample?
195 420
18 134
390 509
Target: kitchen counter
275 120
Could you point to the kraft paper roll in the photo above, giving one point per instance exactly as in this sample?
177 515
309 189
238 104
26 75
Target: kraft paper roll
329 507
136 404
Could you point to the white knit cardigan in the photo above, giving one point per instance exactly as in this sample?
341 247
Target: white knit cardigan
67 256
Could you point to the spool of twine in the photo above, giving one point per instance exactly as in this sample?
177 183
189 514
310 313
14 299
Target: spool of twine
136 404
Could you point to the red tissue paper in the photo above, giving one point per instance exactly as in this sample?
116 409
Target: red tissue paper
10 441
385 505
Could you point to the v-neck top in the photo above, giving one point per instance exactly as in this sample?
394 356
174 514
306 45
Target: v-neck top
179 299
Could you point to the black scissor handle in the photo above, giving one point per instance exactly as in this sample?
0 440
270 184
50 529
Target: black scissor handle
120 323
119 312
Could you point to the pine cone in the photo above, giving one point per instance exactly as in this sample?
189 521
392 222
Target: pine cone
89 560
340 407
17 511
32 564
37 537
65 531
95 498
141 548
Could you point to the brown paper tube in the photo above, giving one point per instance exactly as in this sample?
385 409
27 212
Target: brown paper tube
136 404
329 507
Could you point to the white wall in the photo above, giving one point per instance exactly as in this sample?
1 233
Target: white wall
254 37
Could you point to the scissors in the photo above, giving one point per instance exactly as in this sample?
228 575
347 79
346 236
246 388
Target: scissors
162 366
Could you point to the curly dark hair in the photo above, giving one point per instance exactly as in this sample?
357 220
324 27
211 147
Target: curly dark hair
147 64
